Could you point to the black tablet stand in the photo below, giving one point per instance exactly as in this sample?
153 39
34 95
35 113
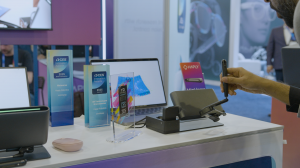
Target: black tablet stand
24 153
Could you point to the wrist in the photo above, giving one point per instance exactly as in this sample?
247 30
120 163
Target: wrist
265 85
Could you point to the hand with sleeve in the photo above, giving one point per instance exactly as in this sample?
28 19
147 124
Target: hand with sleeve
239 78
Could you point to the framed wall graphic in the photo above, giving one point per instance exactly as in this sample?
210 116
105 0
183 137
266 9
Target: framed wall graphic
257 22
209 35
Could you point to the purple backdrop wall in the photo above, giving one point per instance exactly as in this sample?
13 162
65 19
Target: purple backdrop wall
75 22
109 29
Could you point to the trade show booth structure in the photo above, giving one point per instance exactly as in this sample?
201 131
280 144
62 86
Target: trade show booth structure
165 34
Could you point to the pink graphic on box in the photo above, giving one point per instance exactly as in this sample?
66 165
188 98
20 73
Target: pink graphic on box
192 75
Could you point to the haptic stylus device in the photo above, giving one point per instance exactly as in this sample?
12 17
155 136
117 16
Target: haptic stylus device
224 73
210 111
196 80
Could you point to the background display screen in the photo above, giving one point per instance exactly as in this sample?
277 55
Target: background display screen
13 88
25 14
147 80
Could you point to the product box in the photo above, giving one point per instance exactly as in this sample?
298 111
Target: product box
60 87
192 75
96 95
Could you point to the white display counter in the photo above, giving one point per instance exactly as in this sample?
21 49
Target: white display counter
240 139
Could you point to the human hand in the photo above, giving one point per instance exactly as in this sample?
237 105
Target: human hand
41 56
269 68
239 78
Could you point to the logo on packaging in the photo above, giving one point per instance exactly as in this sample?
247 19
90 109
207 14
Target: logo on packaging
98 75
61 67
61 59
99 83
186 67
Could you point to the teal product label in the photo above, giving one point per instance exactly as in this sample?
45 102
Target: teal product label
61 67
96 96
99 83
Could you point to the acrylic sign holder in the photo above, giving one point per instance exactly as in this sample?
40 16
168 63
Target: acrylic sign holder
122 106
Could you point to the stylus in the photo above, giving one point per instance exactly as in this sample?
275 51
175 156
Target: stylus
17 163
225 85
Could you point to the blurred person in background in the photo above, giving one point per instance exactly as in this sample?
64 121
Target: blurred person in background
42 51
280 37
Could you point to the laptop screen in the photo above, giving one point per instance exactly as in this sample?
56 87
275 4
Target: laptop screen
14 91
147 78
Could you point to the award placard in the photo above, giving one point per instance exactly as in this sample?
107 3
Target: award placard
60 87
96 95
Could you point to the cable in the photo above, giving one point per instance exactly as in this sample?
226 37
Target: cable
138 123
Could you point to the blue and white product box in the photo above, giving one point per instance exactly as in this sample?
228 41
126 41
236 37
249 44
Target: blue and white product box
96 96
60 87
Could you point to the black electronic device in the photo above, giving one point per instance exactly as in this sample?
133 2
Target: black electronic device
210 111
192 101
290 63
213 113
161 126
224 73
17 163
198 104
169 122
23 130
170 113
28 126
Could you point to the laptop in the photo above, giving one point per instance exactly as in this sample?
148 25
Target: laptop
291 68
153 98
14 92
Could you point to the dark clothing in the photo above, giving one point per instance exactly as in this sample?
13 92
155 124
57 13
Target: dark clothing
43 50
26 48
294 100
276 42
279 75
25 60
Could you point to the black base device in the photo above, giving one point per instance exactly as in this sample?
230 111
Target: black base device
169 122
23 132
161 126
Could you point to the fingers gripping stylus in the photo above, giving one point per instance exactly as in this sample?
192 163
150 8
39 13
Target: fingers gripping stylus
225 85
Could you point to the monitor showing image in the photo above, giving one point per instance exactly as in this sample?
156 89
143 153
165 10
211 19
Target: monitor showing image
25 14
148 84
14 91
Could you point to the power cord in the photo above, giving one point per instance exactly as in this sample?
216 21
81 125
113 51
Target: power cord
138 123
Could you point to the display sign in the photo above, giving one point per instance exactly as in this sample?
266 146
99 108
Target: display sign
25 14
209 34
181 15
192 75
60 87
96 95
